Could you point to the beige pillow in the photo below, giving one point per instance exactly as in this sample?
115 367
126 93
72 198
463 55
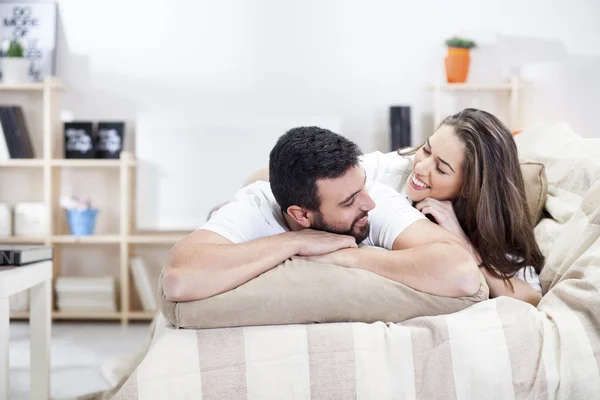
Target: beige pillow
302 292
536 188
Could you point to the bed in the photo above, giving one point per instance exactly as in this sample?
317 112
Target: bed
496 349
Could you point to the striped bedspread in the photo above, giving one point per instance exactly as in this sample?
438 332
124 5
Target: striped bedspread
496 349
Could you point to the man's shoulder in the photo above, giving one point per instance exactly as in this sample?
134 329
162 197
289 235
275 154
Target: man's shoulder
252 214
257 192
260 196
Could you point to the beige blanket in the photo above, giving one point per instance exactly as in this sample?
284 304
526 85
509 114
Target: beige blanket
496 349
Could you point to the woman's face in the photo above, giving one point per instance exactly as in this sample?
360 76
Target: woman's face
437 167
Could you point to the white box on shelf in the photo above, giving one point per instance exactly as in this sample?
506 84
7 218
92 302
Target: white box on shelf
5 221
31 219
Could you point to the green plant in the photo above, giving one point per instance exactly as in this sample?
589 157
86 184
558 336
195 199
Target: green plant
460 43
15 49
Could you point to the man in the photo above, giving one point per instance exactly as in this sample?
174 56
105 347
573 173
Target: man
318 206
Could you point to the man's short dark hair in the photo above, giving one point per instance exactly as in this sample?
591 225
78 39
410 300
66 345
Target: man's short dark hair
302 156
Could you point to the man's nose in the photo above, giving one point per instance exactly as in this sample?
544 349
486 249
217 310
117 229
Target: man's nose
368 204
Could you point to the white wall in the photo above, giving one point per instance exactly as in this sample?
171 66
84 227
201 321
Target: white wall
346 59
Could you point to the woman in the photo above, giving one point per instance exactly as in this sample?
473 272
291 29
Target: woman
467 177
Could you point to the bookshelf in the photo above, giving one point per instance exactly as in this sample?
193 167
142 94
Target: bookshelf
52 164
512 88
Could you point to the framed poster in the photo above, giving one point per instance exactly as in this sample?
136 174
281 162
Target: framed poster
34 26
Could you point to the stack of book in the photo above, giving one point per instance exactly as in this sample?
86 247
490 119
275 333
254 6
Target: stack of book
146 283
14 135
86 294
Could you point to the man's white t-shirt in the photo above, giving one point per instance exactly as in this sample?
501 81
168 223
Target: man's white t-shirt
254 213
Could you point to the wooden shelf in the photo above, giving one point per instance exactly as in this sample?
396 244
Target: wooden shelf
147 238
23 239
121 241
23 163
112 316
19 315
36 86
472 86
91 239
142 315
150 238
90 163
510 88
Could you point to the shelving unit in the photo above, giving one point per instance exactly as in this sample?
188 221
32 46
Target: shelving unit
512 88
52 165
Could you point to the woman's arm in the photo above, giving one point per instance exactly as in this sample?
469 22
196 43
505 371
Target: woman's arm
443 212
258 175
522 290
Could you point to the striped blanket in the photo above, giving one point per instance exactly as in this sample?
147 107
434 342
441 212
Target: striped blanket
496 349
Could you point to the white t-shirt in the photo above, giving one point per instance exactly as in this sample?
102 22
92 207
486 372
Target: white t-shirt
393 170
254 213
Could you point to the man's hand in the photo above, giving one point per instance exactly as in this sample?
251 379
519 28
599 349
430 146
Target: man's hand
310 242
338 257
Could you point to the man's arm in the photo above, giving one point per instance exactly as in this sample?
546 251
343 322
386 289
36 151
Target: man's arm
205 263
424 257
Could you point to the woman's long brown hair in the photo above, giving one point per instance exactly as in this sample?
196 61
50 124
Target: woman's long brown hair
492 207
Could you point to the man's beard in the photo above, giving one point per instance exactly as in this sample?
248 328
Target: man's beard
320 224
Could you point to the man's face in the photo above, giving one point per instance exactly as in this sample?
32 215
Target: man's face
344 205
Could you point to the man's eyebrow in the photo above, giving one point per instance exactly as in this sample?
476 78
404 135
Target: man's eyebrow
347 199
445 162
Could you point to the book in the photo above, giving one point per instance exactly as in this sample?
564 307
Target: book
90 285
9 136
24 254
85 294
4 154
18 147
143 284
23 132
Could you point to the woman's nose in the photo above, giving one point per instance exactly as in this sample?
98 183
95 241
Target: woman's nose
423 167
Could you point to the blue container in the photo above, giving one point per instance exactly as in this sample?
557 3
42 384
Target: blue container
82 222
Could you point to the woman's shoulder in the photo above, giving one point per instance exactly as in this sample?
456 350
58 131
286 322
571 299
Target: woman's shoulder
391 169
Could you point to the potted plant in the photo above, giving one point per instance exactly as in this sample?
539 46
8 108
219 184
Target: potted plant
15 67
458 59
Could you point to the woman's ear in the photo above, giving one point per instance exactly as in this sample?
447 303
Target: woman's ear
300 215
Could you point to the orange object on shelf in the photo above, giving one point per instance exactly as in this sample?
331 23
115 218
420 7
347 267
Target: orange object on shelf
516 132
457 64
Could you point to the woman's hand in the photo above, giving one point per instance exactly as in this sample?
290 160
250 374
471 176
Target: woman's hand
444 215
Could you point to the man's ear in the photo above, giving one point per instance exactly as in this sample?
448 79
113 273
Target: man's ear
300 215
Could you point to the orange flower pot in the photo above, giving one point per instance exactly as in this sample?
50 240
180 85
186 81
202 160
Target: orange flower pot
457 64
